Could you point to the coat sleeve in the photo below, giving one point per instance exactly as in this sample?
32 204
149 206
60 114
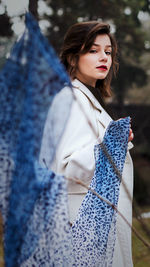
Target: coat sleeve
74 157
75 153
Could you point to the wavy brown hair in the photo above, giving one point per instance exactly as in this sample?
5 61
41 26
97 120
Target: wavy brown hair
78 40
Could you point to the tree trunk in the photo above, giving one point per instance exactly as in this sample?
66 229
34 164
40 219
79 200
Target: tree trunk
33 8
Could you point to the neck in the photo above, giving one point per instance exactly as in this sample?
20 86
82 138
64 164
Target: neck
86 81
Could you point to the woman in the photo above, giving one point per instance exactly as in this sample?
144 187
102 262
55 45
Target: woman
89 55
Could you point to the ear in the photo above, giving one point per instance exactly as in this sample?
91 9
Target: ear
71 60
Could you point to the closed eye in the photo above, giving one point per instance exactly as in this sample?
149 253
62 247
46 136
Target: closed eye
93 51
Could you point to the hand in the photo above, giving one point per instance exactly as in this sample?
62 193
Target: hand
131 135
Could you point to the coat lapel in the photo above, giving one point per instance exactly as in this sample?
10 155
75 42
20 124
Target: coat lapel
80 86
101 115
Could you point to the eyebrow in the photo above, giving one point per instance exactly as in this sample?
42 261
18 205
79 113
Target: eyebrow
99 45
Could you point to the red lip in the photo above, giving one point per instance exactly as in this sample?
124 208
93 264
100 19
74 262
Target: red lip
102 67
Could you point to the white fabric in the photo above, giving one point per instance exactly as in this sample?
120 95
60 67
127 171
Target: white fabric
75 153
75 158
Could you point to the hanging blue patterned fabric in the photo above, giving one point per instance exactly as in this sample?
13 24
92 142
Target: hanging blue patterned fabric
29 81
33 199
95 227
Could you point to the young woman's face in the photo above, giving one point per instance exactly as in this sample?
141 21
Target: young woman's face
96 63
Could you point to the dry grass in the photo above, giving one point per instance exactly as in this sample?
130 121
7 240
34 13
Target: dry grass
141 254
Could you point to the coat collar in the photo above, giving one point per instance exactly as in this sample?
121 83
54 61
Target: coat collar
80 86
103 116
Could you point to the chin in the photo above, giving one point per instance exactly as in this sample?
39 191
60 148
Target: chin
102 77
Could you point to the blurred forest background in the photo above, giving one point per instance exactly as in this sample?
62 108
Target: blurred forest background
130 23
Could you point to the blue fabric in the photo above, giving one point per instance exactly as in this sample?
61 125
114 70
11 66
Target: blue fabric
95 227
29 83
33 199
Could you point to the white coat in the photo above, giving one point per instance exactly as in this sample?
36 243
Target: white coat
75 158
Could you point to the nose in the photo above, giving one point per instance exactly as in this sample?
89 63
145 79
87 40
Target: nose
103 56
